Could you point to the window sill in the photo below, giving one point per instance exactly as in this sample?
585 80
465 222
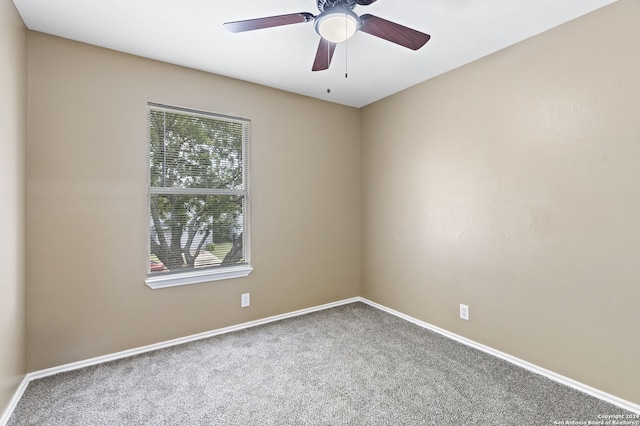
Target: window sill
173 280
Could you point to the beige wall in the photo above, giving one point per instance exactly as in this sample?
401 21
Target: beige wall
513 185
13 121
87 208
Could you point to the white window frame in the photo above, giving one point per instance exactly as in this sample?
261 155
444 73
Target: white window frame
202 275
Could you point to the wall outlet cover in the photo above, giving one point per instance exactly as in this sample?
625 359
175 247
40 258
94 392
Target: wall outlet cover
464 312
245 300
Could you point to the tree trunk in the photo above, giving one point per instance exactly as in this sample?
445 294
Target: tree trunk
235 254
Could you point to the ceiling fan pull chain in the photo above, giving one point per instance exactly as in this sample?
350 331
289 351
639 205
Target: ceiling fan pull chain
346 44
346 62
328 73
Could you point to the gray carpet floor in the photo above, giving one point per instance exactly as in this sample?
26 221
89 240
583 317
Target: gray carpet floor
350 365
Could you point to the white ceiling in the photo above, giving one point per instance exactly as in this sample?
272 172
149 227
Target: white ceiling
190 33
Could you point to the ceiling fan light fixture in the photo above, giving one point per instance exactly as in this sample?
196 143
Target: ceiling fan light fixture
337 24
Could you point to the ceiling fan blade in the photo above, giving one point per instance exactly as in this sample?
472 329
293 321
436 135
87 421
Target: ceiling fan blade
365 2
395 33
323 55
268 22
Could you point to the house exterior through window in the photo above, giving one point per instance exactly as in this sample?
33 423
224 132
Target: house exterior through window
198 197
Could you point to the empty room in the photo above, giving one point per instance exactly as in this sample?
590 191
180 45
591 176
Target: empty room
320 212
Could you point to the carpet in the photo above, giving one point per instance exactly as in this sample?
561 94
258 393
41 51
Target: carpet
349 365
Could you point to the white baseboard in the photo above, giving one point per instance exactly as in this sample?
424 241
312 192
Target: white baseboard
181 340
612 399
4 419
136 351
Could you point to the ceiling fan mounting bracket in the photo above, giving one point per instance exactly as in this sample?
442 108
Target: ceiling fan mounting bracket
330 4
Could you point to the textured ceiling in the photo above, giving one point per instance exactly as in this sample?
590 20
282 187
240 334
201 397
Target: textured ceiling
190 33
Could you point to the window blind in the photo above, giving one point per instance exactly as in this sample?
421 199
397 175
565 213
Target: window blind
198 190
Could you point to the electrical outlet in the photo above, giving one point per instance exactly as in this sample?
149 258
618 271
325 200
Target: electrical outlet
245 300
464 312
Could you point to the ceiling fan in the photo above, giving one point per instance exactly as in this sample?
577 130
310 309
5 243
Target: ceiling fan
335 24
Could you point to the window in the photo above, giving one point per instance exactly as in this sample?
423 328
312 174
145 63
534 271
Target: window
198 197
